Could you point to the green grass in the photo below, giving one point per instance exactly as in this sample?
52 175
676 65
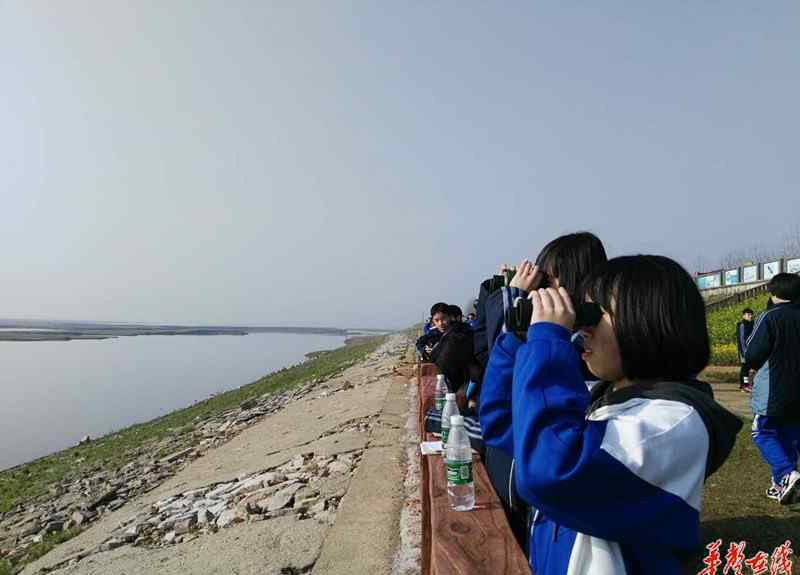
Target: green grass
724 354
37 550
720 374
722 322
32 480
736 509
722 329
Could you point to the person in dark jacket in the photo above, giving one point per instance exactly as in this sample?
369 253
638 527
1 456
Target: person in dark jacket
429 324
773 349
455 313
743 330
616 474
481 343
454 357
440 318
564 261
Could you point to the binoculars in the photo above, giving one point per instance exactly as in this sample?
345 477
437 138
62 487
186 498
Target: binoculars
518 317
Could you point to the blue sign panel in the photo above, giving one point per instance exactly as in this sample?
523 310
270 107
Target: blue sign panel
749 274
771 269
709 281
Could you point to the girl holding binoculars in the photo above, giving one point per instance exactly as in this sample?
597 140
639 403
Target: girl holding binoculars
614 475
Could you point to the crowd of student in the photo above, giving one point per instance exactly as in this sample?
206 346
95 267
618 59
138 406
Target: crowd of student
596 433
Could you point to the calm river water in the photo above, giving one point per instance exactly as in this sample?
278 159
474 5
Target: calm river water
54 393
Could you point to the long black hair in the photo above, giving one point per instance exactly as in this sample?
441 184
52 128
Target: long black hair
658 315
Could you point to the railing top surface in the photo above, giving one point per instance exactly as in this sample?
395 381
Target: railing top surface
737 297
475 542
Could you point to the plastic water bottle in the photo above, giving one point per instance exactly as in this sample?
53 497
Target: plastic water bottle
458 459
450 409
441 390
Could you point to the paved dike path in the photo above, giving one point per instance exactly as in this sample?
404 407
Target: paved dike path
340 461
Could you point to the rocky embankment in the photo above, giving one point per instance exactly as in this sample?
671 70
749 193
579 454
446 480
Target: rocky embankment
304 478
82 500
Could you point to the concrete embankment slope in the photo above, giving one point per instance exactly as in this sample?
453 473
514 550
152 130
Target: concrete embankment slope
316 486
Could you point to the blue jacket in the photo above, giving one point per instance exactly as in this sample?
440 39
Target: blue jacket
743 331
774 350
616 491
495 403
432 338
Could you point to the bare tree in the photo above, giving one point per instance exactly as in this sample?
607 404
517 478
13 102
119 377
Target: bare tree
733 259
791 242
755 253
759 253
699 263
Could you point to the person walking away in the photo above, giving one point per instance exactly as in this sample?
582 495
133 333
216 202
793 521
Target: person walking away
743 330
773 349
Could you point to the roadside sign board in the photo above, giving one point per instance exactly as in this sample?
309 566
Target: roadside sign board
771 269
749 274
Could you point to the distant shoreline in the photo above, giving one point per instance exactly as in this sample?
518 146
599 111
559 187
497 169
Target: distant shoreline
40 330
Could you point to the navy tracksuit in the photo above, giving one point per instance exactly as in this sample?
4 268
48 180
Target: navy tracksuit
774 350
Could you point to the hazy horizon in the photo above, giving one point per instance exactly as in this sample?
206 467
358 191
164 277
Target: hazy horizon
185 324
347 164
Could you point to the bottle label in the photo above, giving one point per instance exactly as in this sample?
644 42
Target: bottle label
459 472
445 434
439 403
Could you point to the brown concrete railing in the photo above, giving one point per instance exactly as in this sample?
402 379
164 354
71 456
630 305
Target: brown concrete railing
736 298
458 542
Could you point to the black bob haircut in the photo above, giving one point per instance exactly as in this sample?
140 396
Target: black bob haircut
785 286
454 355
570 258
440 307
658 315
747 310
454 311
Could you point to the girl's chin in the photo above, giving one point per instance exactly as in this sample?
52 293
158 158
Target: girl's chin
597 373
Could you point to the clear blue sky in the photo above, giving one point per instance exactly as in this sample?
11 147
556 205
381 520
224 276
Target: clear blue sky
349 163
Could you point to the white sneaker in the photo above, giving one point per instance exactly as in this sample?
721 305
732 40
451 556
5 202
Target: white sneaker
790 488
774 492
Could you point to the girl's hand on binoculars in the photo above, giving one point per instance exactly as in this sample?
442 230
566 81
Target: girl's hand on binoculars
527 276
553 306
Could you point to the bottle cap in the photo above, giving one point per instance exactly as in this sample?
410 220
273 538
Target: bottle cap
449 396
456 420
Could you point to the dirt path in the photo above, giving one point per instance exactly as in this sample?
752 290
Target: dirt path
729 395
